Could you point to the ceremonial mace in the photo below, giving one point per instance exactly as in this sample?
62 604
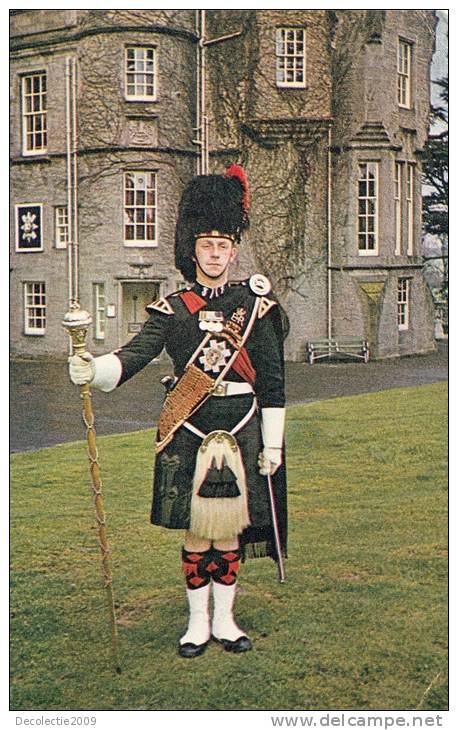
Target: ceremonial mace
77 322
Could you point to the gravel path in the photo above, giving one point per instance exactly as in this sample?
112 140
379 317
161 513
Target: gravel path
45 406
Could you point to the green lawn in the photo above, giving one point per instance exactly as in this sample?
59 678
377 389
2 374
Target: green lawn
360 624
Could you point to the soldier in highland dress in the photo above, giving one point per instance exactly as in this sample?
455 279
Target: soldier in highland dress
221 427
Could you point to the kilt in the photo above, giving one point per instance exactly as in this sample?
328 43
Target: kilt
174 475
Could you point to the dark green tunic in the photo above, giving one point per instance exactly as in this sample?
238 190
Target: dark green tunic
178 332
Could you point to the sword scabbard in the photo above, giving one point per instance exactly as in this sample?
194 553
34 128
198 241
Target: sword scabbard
280 563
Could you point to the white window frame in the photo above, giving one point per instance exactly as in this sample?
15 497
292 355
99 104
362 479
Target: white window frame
22 249
403 304
404 75
31 308
140 70
410 200
290 59
398 177
136 207
32 117
61 226
100 310
366 216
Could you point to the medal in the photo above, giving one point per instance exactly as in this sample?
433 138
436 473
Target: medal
211 321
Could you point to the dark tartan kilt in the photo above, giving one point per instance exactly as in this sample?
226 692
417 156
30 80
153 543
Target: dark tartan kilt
174 473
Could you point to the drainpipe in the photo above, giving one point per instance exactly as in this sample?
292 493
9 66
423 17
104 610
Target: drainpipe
203 114
202 120
198 128
201 117
69 182
329 226
75 183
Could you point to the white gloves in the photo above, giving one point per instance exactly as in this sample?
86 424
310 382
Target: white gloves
269 460
272 428
103 373
81 368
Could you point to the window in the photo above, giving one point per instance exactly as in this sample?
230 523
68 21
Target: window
403 304
290 52
398 207
99 308
140 74
29 235
34 128
34 308
140 209
404 74
61 226
410 208
368 209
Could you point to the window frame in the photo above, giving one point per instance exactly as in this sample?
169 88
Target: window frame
99 318
28 330
295 55
25 115
410 202
403 302
398 198
140 97
404 76
60 226
140 242
367 251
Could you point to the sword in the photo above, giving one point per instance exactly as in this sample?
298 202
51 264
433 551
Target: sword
280 565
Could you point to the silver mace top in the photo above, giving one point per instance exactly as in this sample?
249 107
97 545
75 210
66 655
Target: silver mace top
77 322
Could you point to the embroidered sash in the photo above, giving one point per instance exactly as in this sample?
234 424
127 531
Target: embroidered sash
215 355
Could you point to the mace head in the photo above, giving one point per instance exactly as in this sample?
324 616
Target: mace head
76 319
76 322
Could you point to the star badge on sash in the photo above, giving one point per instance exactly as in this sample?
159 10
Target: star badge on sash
215 356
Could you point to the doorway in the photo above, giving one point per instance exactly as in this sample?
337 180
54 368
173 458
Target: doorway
136 295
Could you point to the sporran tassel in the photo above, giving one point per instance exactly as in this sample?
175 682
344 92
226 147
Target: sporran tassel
219 517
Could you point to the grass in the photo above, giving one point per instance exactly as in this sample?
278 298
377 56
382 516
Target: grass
360 623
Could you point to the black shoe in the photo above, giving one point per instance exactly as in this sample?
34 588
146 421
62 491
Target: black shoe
189 650
241 644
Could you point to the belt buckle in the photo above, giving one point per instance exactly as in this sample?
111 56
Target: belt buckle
220 389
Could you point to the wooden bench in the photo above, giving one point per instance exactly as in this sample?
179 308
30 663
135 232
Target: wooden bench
346 345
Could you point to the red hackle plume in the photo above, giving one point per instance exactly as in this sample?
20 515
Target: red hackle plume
238 172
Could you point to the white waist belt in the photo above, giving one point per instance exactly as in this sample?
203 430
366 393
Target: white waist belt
233 431
226 387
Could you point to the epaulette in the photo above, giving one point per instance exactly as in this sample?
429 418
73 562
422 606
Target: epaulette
160 305
265 305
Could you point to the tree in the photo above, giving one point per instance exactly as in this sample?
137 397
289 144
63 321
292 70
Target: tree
435 167
435 179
